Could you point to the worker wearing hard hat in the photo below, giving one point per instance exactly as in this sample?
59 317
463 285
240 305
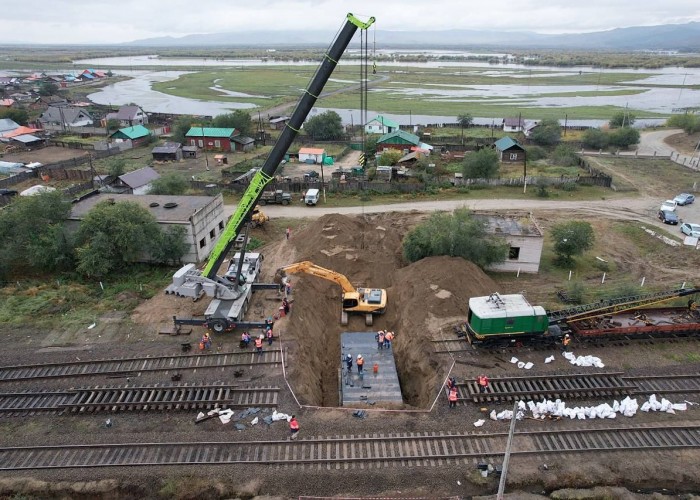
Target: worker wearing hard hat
360 363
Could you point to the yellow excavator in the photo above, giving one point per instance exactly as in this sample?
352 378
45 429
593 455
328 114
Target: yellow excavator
367 301
258 218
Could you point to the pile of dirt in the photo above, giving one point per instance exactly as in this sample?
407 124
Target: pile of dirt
423 298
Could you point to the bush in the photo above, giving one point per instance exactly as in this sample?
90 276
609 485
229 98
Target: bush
624 137
483 164
568 186
689 123
547 132
576 292
571 238
542 190
535 153
594 138
564 156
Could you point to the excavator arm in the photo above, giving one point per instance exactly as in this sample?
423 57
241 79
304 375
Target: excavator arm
251 196
318 271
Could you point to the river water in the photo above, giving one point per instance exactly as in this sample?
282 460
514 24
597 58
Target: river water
668 90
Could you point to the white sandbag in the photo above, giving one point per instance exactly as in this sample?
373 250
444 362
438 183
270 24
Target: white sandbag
628 407
665 405
569 355
616 406
645 406
580 414
505 415
200 415
521 364
549 359
254 421
225 418
679 406
654 404
521 405
529 365
479 422
514 360
493 415
280 416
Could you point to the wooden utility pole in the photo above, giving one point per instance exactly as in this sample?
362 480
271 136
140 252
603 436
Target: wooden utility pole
506 459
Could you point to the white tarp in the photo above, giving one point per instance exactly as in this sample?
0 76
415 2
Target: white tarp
583 360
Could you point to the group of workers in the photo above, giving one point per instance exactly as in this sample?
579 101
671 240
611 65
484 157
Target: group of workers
384 339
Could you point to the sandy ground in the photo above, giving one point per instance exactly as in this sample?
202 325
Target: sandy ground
426 300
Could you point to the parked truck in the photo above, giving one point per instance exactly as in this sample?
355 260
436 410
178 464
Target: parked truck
278 196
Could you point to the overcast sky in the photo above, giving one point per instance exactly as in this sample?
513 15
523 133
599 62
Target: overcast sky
103 21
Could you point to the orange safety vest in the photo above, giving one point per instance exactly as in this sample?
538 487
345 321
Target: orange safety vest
567 340
258 342
360 361
293 424
389 336
453 394
380 338
484 381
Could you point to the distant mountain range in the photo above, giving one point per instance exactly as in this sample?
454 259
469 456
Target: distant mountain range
666 37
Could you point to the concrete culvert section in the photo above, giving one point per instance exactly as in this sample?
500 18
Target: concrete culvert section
423 298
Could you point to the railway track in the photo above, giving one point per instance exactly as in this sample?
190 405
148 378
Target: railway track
580 386
127 366
444 346
352 452
147 398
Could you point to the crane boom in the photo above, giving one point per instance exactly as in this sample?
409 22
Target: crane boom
320 272
264 176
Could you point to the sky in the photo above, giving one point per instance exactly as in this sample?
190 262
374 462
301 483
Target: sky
103 21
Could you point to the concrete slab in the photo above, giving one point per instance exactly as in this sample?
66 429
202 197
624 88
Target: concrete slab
380 387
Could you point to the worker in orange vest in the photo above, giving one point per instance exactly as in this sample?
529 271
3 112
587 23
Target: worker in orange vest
388 337
360 363
380 339
294 426
259 343
452 397
483 382
566 341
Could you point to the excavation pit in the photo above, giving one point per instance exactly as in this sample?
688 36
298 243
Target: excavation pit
380 385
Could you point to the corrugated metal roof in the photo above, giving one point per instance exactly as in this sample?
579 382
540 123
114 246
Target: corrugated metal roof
210 132
384 121
167 148
400 134
135 132
505 143
242 140
26 138
139 177
311 151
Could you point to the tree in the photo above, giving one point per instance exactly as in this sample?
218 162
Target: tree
622 119
116 167
325 127
594 138
689 123
113 234
572 238
48 88
481 164
240 120
546 133
171 183
33 234
564 156
370 149
112 124
170 245
465 120
17 115
624 137
389 158
458 234
181 126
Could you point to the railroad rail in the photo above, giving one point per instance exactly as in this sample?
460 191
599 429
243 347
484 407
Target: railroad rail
444 346
145 398
581 386
351 452
126 366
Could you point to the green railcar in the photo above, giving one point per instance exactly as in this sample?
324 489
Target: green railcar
505 316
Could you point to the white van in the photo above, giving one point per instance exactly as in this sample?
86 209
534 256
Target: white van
311 197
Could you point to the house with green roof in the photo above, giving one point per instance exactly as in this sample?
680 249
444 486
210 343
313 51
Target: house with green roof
381 125
509 150
212 138
138 135
399 139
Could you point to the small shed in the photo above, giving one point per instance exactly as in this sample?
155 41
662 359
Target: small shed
513 124
168 151
189 151
221 159
381 125
509 150
240 143
312 155
136 182
278 122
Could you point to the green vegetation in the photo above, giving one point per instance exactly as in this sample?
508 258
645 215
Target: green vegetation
482 164
456 234
240 120
170 183
689 123
326 126
570 239
547 132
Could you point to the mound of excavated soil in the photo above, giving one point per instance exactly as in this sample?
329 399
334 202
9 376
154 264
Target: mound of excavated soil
423 297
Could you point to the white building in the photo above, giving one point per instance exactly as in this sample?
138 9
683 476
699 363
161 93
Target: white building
201 216
312 155
381 125
525 239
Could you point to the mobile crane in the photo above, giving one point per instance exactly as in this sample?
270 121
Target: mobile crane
231 298
367 301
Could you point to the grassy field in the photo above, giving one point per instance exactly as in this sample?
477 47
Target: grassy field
646 174
420 90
